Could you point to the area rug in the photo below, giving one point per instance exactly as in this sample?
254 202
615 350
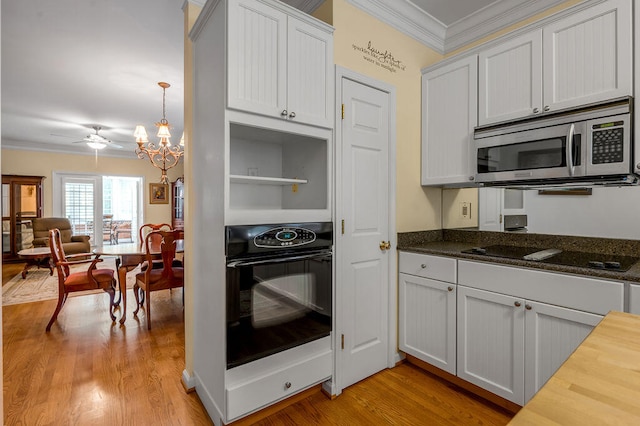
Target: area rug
39 285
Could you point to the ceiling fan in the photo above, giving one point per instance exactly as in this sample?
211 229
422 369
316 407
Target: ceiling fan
97 141
94 140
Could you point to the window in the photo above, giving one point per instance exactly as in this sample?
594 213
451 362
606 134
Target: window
107 208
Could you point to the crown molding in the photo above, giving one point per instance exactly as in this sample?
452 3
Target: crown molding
407 18
307 6
493 18
562 14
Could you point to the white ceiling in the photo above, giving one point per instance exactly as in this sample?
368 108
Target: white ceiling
69 65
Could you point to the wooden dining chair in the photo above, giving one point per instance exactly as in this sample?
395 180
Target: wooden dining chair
69 282
150 227
153 279
145 230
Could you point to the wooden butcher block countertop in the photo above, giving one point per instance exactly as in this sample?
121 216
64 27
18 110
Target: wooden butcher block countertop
598 384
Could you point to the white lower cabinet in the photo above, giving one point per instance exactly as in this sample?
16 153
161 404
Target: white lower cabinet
634 299
258 384
551 333
428 320
511 346
505 329
491 342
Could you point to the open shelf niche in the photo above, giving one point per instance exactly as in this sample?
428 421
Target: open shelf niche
275 170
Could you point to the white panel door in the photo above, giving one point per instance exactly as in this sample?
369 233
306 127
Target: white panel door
257 55
552 334
449 114
510 79
310 74
427 314
491 342
588 56
364 271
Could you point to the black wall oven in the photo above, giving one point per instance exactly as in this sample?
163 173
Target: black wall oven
279 280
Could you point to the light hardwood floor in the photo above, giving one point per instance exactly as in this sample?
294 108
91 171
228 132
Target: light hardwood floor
88 371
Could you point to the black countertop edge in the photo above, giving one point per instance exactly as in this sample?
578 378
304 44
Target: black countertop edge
453 243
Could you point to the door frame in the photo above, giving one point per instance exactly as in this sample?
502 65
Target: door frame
334 387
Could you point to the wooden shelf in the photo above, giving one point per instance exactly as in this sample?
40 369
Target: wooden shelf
261 180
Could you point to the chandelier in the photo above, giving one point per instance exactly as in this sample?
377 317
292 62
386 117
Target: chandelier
164 156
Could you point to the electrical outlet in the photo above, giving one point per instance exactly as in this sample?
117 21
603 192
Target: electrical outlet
465 210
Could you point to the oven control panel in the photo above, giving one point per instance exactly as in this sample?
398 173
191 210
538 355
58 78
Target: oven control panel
284 237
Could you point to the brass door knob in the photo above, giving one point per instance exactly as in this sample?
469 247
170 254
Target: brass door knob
385 245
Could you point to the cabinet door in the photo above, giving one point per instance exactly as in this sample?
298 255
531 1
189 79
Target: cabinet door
510 79
310 74
428 321
490 209
587 56
257 55
552 334
449 114
491 342
634 299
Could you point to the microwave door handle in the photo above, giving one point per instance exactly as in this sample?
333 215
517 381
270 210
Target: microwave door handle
278 260
569 149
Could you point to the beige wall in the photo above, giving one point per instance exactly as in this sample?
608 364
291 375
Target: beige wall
191 12
418 208
16 162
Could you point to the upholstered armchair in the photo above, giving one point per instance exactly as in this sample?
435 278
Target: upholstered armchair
72 244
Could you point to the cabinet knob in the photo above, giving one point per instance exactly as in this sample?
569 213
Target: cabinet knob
536 110
546 108
284 113
450 288
472 178
385 245
287 385
527 307
423 266
292 115
517 304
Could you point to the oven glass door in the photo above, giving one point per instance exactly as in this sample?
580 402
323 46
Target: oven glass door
274 304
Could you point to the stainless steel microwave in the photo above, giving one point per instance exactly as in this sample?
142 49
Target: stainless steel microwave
592 145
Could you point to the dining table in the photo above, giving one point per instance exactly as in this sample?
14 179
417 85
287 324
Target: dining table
128 257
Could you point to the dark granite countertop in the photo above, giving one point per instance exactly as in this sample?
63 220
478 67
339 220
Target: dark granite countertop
451 243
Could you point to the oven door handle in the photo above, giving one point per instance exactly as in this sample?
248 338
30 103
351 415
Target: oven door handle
569 148
240 263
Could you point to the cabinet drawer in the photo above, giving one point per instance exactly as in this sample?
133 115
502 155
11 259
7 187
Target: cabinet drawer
427 266
261 391
571 291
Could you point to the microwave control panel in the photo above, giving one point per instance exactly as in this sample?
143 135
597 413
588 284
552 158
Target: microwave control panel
607 143
284 237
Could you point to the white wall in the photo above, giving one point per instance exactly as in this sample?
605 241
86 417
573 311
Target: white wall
607 213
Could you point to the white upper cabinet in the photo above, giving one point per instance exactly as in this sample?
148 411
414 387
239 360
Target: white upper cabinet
588 56
449 114
510 77
583 58
279 65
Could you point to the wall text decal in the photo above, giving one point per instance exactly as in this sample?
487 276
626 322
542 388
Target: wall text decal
377 57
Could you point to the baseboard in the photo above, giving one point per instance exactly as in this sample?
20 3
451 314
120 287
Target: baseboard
512 407
188 381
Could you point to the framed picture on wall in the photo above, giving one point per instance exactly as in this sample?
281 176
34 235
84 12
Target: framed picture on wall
158 193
